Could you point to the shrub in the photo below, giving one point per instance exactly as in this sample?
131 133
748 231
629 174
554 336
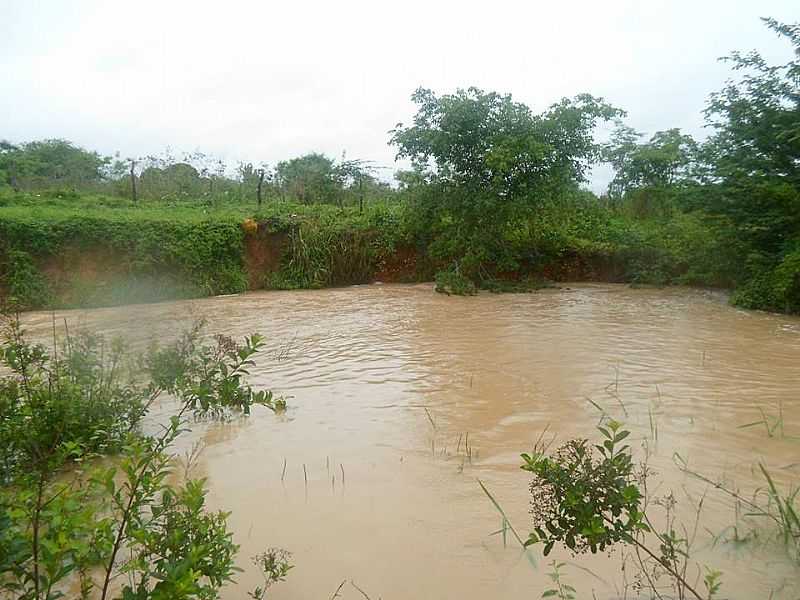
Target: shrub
776 288
588 497
454 283
65 518
22 280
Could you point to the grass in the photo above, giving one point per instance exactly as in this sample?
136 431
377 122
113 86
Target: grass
778 508
773 424
157 250
330 246
506 524
786 518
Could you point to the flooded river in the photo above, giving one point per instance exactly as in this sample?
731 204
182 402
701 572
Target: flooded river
401 399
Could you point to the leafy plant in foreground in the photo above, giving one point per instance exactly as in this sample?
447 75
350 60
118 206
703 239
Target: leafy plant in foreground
124 531
587 497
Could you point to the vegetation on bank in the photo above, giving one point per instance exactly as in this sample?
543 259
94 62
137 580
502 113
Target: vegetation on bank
494 196
55 254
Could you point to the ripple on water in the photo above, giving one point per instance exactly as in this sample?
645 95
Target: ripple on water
363 364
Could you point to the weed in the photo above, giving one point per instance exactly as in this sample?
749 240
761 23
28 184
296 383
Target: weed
67 519
454 283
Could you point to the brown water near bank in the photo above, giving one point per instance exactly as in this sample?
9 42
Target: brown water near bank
392 501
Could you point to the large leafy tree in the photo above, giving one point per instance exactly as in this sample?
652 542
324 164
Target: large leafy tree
310 178
490 161
753 156
756 117
751 165
50 163
664 160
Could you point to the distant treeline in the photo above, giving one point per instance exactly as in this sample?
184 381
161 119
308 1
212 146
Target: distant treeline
497 192
59 165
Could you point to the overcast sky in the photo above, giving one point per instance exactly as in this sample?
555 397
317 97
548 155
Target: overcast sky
265 81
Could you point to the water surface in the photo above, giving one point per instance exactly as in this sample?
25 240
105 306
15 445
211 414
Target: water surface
392 501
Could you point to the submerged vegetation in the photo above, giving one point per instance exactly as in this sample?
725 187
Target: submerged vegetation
593 497
88 503
494 196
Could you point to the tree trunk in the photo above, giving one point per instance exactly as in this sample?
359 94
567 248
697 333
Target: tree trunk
133 182
260 184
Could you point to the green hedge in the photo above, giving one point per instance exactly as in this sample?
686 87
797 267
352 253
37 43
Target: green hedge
157 257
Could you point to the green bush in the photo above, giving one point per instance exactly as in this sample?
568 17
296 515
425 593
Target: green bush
776 288
337 248
70 520
24 284
454 283
156 254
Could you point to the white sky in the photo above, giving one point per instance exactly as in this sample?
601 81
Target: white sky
266 81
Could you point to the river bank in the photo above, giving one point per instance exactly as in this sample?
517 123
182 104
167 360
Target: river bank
87 255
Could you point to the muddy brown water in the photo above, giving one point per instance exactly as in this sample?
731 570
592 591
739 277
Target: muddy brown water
392 501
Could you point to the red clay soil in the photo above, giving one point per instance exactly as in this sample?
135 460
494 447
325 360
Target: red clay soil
92 267
262 254
399 267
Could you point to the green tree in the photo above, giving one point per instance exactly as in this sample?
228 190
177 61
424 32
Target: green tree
756 118
490 161
114 528
309 179
753 158
177 180
751 168
50 163
659 163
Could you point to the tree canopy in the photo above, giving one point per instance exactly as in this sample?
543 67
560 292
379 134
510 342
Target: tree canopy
59 162
662 161
489 160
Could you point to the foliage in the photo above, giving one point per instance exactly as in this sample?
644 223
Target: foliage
156 251
66 517
310 178
191 256
22 280
752 167
274 565
172 181
588 497
586 501
770 505
755 118
315 178
776 288
489 161
452 282
330 249
659 163
562 590
743 181
54 162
